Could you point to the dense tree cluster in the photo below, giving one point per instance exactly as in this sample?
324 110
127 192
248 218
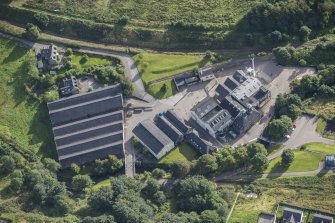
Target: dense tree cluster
279 127
254 154
32 32
289 105
108 166
296 17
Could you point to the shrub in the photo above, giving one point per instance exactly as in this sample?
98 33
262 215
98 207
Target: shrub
302 62
84 59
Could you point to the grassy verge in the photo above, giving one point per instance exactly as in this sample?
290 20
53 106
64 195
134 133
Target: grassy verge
321 126
104 183
303 161
180 153
312 192
27 119
273 148
154 66
321 147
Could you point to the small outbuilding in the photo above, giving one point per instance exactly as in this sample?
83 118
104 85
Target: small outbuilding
330 161
68 86
266 217
291 215
318 218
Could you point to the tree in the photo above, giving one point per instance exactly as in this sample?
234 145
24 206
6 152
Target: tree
7 165
107 166
259 162
181 169
307 86
256 148
16 180
100 219
75 168
292 111
158 173
164 88
101 199
152 191
282 55
287 157
84 59
305 32
51 165
69 52
62 206
127 87
226 158
278 128
32 32
302 62
80 182
275 36
205 165
209 216
42 20
197 194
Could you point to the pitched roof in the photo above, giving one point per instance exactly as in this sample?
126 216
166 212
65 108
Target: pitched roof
179 123
154 138
168 128
85 105
200 145
204 107
88 127
318 218
292 215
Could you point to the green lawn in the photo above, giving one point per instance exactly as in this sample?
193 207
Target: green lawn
321 126
104 183
313 192
321 147
180 153
156 89
303 161
26 118
92 60
154 66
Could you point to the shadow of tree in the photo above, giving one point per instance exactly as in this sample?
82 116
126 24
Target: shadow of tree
16 53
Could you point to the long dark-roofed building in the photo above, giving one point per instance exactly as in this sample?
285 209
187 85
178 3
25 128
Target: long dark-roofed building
88 126
169 129
154 139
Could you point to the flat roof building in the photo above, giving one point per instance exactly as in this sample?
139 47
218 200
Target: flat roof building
68 86
154 139
330 161
265 217
88 126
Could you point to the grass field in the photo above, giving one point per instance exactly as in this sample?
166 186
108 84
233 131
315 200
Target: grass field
321 126
26 118
312 192
154 66
149 13
303 161
92 60
321 107
156 89
180 153
321 147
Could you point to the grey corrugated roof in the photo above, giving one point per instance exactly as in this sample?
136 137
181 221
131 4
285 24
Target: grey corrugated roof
152 136
96 121
102 153
197 143
86 109
172 116
88 126
81 98
168 128
318 218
